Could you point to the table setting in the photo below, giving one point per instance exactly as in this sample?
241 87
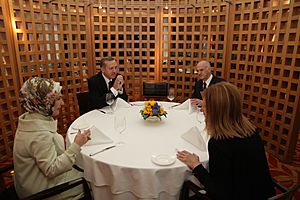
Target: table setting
139 150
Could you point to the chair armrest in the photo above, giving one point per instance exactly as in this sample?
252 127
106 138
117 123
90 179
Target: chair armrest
199 192
61 188
278 186
6 168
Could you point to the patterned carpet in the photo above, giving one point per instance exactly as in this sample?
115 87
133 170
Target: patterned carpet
286 174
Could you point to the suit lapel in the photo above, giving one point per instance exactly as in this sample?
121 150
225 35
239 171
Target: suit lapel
102 82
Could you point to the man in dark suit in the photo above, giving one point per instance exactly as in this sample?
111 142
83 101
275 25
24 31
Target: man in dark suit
106 81
205 79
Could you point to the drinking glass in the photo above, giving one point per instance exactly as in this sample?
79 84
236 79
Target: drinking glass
199 115
120 125
171 94
110 98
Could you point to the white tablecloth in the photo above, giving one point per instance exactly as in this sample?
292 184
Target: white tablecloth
126 171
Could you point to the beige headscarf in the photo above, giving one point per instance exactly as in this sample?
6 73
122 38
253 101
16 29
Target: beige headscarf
39 95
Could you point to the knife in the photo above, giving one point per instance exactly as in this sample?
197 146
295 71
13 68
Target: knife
101 111
107 148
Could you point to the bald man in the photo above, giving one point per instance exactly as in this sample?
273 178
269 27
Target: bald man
205 79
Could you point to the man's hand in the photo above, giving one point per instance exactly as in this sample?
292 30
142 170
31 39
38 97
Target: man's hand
196 102
119 82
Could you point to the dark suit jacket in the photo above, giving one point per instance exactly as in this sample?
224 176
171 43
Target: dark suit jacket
98 90
199 86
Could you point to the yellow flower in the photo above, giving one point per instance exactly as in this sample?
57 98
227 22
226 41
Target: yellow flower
161 111
152 103
148 110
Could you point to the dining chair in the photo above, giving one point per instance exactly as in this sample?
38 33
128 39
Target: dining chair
83 102
201 194
155 89
9 193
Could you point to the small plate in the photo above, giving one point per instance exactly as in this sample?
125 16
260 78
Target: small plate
163 159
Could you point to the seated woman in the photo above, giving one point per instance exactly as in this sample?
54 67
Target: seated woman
40 158
238 167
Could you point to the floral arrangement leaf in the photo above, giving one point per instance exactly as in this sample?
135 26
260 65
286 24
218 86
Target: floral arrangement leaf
153 109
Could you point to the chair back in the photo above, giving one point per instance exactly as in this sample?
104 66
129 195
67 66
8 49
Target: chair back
155 89
83 102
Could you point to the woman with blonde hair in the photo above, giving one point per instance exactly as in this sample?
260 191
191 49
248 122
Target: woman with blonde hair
40 158
238 167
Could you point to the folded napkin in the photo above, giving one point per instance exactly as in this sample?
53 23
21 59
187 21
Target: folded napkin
120 103
187 105
82 125
98 137
194 137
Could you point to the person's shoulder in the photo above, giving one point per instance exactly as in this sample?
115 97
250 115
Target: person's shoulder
218 79
96 77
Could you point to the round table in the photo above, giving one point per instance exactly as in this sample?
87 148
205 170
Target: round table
126 171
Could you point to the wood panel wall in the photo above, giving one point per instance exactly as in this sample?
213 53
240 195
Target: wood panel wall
253 44
265 64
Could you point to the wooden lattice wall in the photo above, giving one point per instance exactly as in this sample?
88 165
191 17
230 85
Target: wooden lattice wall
265 64
9 93
51 40
253 43
152 43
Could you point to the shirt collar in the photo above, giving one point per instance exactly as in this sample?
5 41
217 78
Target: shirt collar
209 80
106 79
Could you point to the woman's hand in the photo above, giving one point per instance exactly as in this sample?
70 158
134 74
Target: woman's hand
82 138
191 160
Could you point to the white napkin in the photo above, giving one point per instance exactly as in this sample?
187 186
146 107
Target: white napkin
120 103
98 137
187 105
82 125
194 137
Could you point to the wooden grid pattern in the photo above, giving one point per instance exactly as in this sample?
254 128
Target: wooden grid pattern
51 40
152 43
129 34
9 106
253 44
265 64
189 34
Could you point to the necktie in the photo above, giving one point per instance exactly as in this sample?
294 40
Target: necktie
204 85
110 84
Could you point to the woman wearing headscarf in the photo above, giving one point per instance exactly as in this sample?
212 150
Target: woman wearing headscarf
238 168
40 158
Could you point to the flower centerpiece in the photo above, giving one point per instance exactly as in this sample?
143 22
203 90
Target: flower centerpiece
152 109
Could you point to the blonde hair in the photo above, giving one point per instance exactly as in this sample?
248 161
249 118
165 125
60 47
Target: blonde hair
224 118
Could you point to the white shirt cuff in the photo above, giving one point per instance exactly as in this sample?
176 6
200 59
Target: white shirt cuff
114 91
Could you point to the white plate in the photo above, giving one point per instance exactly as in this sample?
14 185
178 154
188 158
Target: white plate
163 159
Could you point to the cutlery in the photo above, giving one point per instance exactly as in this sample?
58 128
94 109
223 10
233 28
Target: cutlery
89 138
102 111
107 148
175 105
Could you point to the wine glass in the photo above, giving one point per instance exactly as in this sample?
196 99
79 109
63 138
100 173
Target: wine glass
171 94
110 98
120 125
199 115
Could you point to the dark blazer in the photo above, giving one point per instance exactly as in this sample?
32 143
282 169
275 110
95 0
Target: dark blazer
98 90
199 86
238 170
